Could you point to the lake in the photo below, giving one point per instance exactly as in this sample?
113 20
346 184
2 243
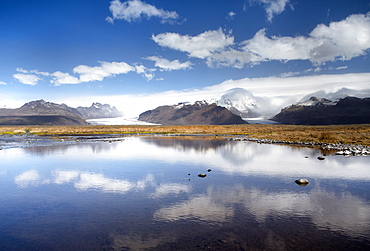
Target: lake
144 193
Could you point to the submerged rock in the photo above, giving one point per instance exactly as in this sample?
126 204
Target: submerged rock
302 182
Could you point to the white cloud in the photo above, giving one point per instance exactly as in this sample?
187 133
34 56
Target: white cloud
231 15
166 65
134 10
231 57
341 67
345 39
273 7
83 73
60 78
98 73
27 79
341 40
279 48
2 83
142 70
21 70
200 46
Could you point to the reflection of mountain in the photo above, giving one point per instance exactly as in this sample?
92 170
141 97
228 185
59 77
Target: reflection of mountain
190 143
64 147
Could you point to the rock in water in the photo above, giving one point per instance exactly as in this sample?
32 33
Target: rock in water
302 182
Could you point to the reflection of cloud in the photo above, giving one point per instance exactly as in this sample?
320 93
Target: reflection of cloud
62 177
28 178
84 181
346 212
170 188
201 207
98 181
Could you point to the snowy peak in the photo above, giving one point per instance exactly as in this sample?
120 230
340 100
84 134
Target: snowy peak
313 101
240 102
98 110
43 104
200 104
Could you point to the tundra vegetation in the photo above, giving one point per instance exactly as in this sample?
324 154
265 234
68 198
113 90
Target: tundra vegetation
345 134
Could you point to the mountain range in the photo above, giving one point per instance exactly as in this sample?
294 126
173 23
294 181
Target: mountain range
41 112
349 110
198 113
232 107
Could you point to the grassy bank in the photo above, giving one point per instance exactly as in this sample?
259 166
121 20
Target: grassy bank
347 134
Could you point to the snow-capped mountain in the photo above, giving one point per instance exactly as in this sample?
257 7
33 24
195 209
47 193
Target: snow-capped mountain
240 102
350 110
340 94
98 110
313 101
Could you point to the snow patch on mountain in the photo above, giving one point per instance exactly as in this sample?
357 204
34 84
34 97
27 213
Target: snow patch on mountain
313 101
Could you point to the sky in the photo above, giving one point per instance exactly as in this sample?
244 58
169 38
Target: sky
139 54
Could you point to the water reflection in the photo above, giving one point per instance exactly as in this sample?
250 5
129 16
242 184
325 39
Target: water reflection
144 193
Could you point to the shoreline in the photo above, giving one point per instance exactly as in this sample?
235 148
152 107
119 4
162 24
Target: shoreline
350 139
8 141
341 149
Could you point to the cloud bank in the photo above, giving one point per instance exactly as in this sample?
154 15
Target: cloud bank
166 65
277 91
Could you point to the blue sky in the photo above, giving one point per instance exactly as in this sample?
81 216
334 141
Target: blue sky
163 52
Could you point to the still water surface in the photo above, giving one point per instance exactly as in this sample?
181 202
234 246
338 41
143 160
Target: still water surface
144 193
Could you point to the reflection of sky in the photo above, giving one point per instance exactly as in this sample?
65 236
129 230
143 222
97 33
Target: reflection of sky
233 158
213 200
327 211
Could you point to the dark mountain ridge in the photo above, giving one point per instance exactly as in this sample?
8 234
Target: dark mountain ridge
199 113
41 112
349 110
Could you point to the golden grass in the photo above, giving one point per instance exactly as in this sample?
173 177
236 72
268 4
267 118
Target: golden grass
346 134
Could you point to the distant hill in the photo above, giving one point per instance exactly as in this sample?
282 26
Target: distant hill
41 112
349 110
97 110
199 113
